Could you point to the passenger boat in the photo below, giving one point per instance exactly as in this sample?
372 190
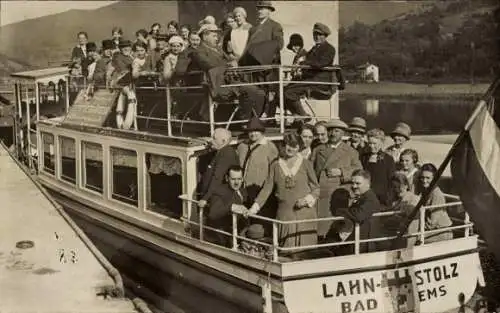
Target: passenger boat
134 193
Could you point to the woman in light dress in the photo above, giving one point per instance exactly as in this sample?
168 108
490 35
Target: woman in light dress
408 165
294 183
238 36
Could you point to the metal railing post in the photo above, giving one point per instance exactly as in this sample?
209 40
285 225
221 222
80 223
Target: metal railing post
282 100
356 239
235 231
422 225
66 97
467 221
275 242
211 114
200 213
169 110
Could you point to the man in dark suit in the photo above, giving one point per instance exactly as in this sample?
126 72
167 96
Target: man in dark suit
321 55
211 60
80 51
265 41
229 195
360 212
224 158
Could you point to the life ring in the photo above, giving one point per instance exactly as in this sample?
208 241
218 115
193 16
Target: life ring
129 101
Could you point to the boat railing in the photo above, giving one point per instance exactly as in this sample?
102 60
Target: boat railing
245 74
420 236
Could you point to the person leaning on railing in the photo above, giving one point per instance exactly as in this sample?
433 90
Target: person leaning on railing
211 60
320 56
436 217
294 184
364 205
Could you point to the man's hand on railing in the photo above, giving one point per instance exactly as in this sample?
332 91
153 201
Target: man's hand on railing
202 203
239 209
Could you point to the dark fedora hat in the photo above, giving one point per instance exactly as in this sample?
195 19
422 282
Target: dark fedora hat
254 124
265 4
124 43
91 46
107 44
295 40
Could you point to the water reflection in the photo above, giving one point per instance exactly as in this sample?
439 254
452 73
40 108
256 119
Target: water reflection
425 116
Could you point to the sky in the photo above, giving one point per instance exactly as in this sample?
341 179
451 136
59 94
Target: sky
15 10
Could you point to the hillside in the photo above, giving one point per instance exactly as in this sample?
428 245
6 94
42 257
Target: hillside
55 34
9 65
450 40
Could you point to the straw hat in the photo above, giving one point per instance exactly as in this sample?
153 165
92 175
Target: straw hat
336 123
254 231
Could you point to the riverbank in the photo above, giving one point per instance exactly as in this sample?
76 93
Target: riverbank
420 90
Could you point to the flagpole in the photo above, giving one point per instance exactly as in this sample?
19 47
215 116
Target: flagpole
425 196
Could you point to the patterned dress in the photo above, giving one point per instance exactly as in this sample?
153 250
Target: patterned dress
290 185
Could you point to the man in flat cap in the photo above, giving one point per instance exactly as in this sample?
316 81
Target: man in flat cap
321 55
210 59
334 163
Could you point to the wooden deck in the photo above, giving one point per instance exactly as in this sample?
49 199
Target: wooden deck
56 269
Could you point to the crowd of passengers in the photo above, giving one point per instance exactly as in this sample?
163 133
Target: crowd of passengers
169 57
322 170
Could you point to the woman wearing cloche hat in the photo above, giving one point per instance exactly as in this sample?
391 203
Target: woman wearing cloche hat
400 135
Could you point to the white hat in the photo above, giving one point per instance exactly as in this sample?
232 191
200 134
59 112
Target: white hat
209 19
176 39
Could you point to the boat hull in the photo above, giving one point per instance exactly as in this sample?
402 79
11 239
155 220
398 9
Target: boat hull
169 282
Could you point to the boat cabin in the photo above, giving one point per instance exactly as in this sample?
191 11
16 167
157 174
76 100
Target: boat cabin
146 178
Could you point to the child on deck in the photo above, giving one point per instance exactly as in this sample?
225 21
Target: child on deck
255 232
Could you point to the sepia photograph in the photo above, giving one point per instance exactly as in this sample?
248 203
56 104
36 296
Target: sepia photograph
250 156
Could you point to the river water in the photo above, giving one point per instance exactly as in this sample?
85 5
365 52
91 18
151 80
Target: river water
425 115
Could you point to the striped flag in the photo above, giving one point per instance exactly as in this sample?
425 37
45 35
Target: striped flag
475 168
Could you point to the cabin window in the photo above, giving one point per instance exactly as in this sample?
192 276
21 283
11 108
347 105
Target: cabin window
92 166
165 185
68 160
48 153
124 165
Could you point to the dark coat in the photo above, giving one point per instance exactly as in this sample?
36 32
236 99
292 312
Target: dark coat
381 173
219 212
360 212
77 53
212 61
320 56
100 72
213 178
265 42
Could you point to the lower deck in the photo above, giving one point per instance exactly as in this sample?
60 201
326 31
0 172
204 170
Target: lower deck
47 263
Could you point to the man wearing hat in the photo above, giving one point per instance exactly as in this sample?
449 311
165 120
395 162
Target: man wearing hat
334 163
102 64
88 63
357 130
400 135
265 39
321 55
256 155
159 53
210 59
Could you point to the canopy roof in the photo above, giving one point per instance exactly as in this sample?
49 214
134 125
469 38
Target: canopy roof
43 76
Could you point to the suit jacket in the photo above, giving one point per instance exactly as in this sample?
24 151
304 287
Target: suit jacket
269 31
100 72
360 212
78 53
212 61
381 173
334 193
320 56
217 169
223 197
